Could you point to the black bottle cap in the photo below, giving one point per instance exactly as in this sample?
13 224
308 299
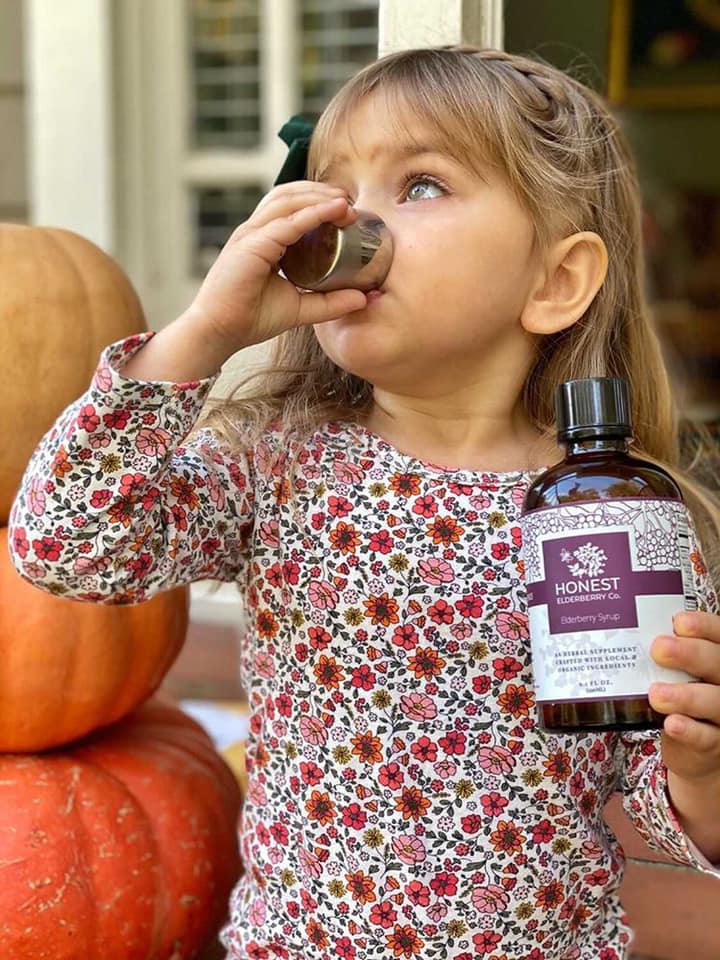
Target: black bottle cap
594 407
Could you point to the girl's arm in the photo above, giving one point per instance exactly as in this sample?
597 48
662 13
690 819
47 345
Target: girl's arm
648 804
110 508
113 508
691 734
671 787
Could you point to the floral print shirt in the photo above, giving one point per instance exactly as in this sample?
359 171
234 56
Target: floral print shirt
403 802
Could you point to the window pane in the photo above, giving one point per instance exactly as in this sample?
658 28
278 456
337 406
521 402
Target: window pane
225 73
216 213
338 37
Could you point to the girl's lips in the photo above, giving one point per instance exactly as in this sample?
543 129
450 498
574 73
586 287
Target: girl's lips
373 295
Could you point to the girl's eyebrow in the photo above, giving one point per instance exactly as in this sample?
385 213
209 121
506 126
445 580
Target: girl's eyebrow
403 151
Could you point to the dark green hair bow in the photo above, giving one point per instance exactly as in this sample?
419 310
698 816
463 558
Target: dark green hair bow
296 133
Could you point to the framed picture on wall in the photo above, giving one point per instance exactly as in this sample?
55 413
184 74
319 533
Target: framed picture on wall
664 53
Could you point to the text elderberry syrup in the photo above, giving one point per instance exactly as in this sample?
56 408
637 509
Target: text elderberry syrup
606 550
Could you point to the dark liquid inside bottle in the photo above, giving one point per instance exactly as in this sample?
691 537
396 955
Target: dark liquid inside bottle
600 468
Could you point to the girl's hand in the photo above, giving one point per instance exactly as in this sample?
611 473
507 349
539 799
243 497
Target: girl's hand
691 733
243 299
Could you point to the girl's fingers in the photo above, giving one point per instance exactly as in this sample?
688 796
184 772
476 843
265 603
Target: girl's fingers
322 307
296 186
269 242
282 207
284 231
696 655
288 195
690 747
698 624
700 701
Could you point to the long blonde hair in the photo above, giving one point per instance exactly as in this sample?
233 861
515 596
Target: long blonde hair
569 165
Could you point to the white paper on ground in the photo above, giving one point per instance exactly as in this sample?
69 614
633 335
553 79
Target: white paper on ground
224 725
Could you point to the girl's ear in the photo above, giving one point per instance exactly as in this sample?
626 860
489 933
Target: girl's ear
574 270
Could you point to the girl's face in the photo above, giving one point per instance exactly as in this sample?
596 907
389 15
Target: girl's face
463 266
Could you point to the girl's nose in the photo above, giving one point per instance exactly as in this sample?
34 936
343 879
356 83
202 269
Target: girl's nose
371 199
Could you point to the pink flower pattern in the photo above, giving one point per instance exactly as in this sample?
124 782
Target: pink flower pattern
397 807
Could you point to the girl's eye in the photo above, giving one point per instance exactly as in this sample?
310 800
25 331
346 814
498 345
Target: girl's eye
423 188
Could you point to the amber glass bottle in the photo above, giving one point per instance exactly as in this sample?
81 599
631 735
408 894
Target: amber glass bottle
605 541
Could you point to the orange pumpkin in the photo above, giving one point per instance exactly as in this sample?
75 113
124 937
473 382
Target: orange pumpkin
62 300
121 847
67 667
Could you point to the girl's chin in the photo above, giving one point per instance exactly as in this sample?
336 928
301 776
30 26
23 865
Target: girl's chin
360 362
362 346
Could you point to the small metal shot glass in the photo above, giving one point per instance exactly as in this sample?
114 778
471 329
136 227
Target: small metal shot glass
334 258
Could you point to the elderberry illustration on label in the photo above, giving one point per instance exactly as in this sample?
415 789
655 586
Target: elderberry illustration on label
599 591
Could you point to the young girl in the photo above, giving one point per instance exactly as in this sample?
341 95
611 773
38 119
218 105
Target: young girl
402 801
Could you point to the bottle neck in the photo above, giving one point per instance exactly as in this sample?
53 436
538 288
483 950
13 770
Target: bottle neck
596 445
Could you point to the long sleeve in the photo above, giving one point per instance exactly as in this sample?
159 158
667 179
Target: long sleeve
114 508
644 775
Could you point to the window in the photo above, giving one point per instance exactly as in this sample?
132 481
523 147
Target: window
337 39
225 59
216 213
241 69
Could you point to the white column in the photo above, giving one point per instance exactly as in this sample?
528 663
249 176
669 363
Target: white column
69 116
280 83
429 23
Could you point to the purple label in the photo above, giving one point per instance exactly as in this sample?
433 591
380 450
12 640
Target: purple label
590 583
